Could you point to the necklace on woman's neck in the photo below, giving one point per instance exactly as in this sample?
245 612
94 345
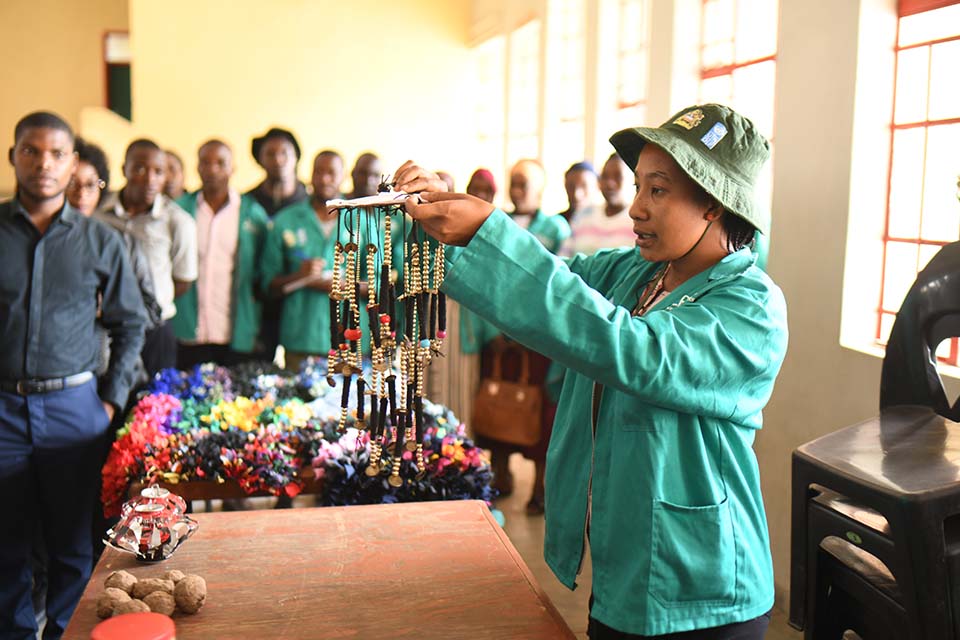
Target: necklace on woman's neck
654 290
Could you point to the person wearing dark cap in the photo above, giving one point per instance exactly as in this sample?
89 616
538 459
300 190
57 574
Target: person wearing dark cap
580 183
366 175
672 348
278 152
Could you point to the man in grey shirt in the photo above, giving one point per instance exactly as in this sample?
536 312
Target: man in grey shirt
165 233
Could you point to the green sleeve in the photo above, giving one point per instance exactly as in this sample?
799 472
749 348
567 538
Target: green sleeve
600 266
716 356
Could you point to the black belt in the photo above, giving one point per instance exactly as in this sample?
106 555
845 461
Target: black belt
30 387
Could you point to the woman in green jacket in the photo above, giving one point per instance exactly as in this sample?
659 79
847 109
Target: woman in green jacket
672 349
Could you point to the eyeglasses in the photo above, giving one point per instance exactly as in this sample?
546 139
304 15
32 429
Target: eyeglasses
88 187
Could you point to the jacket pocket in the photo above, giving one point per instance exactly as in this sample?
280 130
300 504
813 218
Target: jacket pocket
693 560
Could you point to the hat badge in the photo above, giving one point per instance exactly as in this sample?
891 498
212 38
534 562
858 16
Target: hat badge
690 119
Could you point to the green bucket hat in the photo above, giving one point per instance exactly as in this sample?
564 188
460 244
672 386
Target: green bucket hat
716 146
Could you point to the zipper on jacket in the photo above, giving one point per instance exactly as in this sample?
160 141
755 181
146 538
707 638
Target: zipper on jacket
595 397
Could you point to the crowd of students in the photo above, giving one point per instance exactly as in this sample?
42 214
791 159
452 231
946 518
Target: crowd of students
215 266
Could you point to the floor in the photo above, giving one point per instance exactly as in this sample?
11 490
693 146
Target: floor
526 534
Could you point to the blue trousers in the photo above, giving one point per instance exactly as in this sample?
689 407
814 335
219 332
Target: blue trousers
51 451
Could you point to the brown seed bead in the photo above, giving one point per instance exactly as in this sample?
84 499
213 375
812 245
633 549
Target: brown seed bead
123 580
161 602
131 606
149 585
190 594
109 599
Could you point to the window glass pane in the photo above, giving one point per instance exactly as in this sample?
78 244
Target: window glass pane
945 80
927 251
719 90
906 183
929 25
524 112
633 67
632 21
753 94
886 324
941 211
568 45
629 117
899 274
718 27
912 75
756 29
717 54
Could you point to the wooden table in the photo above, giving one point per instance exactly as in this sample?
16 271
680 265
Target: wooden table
418 570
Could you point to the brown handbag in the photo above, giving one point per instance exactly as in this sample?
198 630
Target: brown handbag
505 410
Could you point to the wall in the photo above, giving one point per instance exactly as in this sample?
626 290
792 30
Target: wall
354 76
52 54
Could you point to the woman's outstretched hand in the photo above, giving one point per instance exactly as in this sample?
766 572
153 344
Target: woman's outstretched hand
451 218
411 178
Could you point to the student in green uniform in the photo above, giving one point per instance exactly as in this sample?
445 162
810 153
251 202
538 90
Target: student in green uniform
218 318
672 349
298 263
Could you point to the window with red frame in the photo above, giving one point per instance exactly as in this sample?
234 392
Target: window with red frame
632 61
923 213
738 50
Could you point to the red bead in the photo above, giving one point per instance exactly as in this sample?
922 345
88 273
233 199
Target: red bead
441 334
344 347
352 334
384 318
332 352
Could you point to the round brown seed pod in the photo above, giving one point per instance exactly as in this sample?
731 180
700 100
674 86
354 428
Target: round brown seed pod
149 585
123 580
174 576
190 593
160 602
108 601
131 606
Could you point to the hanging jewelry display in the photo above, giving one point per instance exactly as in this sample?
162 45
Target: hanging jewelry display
406 329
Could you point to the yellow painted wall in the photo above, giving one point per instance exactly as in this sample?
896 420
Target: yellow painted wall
367 74
52 53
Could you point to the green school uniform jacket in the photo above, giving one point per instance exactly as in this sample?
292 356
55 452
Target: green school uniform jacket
677 531
246 275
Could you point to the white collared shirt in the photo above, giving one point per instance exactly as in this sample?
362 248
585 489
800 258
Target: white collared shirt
167 235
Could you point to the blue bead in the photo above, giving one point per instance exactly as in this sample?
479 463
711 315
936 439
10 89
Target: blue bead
424 343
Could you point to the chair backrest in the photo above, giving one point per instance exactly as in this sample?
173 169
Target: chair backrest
930 313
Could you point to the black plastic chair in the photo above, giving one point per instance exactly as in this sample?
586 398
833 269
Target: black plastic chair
930 313
890 487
